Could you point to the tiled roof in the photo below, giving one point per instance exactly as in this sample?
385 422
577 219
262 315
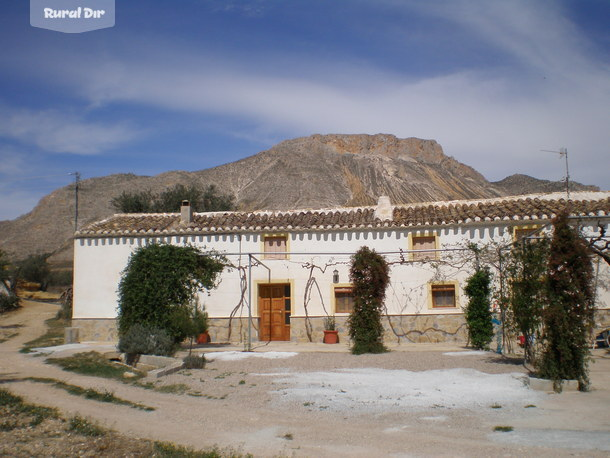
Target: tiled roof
520 208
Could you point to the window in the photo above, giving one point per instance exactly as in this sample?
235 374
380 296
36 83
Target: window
275 247
423 242
443 295
344 299
520 232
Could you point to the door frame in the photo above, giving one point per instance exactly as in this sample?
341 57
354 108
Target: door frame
257 285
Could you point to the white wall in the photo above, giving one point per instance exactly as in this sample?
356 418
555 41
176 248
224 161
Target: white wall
98 264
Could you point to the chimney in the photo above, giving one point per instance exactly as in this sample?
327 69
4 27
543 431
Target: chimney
186 213
384 209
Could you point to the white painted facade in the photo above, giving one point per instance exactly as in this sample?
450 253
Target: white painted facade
313 255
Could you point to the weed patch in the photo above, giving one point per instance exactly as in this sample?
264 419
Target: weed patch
503 429
85 427
176 388
19 414
169 450
89 393
23 435
94 364
54 335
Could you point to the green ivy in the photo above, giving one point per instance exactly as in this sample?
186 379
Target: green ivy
369 274
478 313
160 283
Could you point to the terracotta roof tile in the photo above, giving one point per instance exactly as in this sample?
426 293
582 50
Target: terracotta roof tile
427 214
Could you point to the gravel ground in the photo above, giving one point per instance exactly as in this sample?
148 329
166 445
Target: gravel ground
288 406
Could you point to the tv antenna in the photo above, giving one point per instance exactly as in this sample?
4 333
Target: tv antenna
563 152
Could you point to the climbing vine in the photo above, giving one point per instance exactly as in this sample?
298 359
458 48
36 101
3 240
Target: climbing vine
369 274
478 313
568 318
159 284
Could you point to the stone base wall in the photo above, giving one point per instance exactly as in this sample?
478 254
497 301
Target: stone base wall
96 330
416 328
450 328
233 330
398 328
401 328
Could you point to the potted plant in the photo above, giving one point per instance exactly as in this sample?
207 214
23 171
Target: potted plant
201 324
331 335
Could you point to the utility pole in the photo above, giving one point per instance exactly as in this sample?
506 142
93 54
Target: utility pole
563 152
76 183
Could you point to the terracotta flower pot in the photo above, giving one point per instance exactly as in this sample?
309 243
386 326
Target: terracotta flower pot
203 338
331 337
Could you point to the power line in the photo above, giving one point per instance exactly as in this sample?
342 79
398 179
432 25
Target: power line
76 183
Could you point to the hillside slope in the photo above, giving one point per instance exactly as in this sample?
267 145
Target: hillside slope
310 172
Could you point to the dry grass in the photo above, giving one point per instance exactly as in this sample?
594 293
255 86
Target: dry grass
31 430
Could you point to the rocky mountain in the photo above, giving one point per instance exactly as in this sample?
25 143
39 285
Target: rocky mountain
514 185
311 172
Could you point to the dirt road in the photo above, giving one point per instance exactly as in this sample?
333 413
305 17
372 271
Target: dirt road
329 404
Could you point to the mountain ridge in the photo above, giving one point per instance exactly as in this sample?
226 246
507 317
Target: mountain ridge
319 171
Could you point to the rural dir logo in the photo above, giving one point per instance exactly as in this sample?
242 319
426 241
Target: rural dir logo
72 16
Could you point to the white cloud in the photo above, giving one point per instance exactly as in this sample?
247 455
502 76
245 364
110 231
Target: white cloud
553 93
12 163
54 131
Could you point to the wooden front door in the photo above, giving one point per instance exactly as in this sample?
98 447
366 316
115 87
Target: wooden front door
274 311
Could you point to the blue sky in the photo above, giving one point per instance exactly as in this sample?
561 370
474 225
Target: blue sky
197 83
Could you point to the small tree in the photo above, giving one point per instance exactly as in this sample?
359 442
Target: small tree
35 269
568 318
5 273
134 202
159 285
369 274
478 312
527 270
202 200
8 301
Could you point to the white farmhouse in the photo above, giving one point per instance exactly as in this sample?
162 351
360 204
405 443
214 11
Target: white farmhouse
291 268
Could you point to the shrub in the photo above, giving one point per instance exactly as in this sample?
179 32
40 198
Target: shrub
8 302
194 362
146 340
478 313
35 269
60 278
159 286
202 199
85 427
65 312
527 269
369 273
568 318
136 202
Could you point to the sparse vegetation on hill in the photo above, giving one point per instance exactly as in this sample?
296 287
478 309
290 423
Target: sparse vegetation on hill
201 199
